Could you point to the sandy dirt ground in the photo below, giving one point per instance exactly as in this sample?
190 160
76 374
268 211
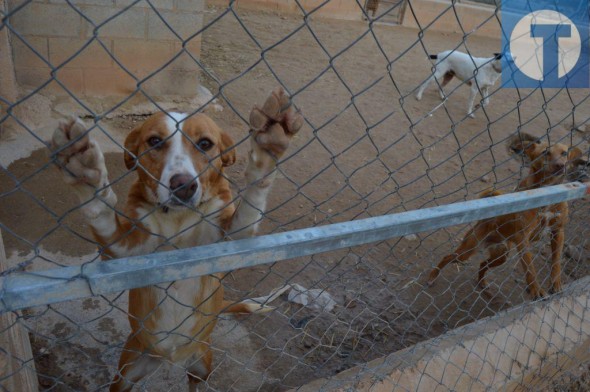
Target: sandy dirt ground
368 148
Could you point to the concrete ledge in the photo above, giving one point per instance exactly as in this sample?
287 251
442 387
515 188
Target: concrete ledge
527 346
440 15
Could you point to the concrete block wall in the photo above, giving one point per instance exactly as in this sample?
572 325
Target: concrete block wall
8 86
334 9
104 47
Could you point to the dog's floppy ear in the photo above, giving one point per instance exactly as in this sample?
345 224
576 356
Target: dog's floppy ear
132 148
523 143
578 166
576 157
228 150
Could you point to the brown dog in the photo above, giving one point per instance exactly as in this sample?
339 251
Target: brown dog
180 199
548 166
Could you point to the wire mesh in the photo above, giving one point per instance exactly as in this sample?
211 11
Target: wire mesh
366 148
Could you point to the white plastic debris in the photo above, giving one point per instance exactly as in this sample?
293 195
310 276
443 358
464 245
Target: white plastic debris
312 298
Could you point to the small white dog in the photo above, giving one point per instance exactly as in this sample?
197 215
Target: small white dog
485 71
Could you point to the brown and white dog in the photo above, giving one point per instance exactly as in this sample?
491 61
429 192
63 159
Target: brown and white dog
182 199
480 73
549 165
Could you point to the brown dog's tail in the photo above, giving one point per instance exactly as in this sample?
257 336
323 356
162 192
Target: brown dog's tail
434 56
490 193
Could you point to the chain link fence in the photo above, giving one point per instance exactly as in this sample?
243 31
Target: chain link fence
366 149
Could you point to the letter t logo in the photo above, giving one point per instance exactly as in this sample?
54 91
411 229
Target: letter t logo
551 34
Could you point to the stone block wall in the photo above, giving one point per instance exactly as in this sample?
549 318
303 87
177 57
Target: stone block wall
106 47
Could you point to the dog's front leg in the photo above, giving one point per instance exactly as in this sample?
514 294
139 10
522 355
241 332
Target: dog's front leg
82 164
272 128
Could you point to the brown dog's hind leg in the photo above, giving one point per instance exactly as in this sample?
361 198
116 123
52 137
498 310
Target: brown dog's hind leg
498 256
465 250
198 368
134 365
526 259
557 240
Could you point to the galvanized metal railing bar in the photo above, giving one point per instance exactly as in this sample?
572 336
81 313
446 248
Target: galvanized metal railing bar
22 290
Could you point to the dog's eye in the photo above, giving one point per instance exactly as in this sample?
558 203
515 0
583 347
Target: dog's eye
564 153
204 144
154 141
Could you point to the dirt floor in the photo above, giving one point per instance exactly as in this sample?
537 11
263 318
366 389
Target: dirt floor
368 148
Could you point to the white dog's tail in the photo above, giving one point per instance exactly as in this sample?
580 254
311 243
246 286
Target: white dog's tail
254 305
245 307
434 56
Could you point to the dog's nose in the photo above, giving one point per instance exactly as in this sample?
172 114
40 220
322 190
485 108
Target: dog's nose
183 186
558 167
